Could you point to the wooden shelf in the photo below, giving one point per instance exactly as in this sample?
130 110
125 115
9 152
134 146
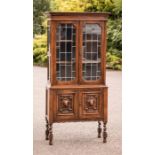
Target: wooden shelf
91 61
65 62
78 86
84 62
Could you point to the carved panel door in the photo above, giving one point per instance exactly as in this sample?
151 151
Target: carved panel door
66 105
90 105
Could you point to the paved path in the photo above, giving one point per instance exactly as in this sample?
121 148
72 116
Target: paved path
77 138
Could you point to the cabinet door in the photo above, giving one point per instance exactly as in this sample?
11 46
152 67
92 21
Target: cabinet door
92 52
91 106
65 52
66 107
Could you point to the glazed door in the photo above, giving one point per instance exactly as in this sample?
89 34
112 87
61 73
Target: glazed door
65 52
91 54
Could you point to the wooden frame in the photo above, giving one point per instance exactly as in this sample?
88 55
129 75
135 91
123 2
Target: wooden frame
76 100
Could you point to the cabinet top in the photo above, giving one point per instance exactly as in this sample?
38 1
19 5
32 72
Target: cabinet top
78 15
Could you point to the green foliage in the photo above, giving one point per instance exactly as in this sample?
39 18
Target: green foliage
114 37
40 7
40 50
114 62
118 7
112 6
68 5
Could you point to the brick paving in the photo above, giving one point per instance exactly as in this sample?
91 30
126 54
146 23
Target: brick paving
78 138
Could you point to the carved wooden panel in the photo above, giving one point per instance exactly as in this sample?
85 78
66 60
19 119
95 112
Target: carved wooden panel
65 104
91 105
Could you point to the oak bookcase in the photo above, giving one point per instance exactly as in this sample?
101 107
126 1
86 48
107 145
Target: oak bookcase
76 88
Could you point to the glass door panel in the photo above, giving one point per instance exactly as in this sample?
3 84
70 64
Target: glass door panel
65 52
91 52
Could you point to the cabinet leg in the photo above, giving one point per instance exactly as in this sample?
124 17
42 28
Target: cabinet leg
99 129
47 130
104 132
50 134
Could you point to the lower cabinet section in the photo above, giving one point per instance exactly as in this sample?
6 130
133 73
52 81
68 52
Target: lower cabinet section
74 105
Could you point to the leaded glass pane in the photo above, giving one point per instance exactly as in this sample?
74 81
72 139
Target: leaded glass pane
65 52
91 60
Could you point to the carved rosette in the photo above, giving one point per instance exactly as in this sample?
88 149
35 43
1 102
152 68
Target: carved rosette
91 103
65 104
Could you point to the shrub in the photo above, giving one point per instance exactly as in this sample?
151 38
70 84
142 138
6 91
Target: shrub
114 44
113 62
40 50
114 37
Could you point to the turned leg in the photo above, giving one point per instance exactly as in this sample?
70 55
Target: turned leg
104 132
99 129
50 134
47 130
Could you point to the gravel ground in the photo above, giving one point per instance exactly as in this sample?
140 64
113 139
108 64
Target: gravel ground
78 138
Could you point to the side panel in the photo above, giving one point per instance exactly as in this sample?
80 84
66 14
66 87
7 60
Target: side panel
105 100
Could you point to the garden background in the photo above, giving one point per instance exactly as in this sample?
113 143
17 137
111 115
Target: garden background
114 31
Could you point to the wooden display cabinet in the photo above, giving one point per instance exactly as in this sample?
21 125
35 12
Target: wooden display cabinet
76 89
